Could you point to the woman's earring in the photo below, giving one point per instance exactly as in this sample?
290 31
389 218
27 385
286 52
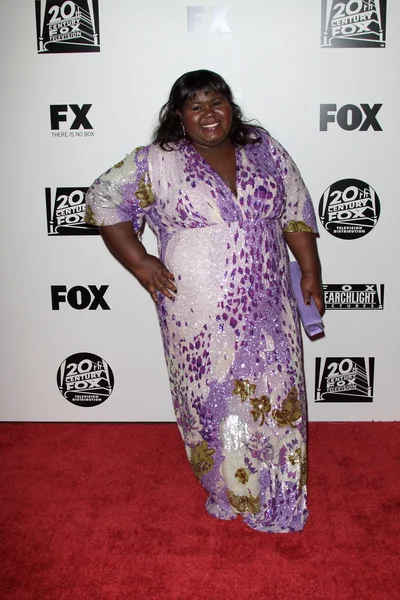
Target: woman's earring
183 129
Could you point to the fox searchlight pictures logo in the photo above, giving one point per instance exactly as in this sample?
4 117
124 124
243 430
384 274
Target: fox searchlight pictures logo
357 296
65 209
349 209
67 27
85 379
344 379
353 24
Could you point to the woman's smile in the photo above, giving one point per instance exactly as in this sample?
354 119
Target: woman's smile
207 118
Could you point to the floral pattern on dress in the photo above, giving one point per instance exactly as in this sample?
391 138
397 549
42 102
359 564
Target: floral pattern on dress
231 338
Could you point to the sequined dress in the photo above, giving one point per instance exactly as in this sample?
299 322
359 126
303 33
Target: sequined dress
232 339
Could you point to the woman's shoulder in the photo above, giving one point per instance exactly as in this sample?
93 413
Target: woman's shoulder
269 150
262 139
139 154
274 147
158 155
265 142
138 159
125 169
261 134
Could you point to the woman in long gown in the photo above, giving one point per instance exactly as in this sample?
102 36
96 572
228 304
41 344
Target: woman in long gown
224 200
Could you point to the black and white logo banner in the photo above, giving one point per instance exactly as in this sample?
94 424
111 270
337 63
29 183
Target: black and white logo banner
357 296
65 209
353 24
344 379
65 27
85 379
349 209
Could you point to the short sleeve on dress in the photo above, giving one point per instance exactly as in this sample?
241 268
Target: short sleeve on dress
298 212
123 193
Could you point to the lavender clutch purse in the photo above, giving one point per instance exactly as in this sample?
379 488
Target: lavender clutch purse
309 315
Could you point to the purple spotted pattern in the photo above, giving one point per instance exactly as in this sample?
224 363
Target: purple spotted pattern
231 338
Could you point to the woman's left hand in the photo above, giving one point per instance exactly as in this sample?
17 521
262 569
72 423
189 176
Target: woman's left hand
303 245
311 286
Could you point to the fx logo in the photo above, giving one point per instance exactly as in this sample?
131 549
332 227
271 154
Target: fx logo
59 112
350 117
208 19
79 297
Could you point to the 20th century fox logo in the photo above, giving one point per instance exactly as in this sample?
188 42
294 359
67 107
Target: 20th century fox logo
344 379
65 27
353 24
85 379
65 209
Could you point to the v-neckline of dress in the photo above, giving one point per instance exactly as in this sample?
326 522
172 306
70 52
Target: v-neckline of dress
216 175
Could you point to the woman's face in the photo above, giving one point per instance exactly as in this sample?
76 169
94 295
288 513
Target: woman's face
207 118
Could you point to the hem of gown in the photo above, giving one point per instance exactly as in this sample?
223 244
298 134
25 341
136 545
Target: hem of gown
275 529
214 510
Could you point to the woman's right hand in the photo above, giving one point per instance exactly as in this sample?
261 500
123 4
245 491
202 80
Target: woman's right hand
124 244
155 277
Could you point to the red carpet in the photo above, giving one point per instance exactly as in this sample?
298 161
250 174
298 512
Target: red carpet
113 512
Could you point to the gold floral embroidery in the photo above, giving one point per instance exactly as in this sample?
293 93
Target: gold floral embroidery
244 504
303 472
119 164
145 193
243 475
295 458
89 216
244 388
291 410
201 459
294 226
261 406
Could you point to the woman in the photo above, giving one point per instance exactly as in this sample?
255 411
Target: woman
223 199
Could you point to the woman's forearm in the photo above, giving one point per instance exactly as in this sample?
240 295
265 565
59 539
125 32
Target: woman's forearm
303 246
124 245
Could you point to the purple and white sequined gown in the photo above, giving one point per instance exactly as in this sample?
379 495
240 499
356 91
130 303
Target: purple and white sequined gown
232 339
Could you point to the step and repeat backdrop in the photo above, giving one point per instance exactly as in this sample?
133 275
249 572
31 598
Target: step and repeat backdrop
82 86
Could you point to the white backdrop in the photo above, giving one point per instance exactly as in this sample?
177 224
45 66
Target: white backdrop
270 53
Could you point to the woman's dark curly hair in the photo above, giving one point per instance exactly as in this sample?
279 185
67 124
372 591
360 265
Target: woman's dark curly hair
170 129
